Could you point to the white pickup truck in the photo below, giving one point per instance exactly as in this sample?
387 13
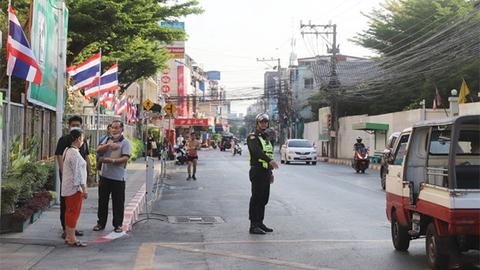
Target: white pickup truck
433 188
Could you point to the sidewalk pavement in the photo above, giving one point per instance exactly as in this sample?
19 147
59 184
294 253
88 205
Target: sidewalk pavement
25 249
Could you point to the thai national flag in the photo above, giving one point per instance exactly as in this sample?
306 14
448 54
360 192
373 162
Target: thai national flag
132 112
108 83
105 98
87 73
122 105
21 61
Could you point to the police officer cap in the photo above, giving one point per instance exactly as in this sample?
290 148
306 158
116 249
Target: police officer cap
262 117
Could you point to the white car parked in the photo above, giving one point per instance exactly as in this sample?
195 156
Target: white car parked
298 150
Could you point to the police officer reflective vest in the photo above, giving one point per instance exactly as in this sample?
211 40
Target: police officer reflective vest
267 149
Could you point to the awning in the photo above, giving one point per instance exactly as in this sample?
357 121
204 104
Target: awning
202 122
370 126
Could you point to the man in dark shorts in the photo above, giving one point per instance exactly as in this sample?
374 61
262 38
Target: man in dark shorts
74 122
193 145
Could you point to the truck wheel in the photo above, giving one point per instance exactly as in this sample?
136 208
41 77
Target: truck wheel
435 258
383 177
400 237
314 163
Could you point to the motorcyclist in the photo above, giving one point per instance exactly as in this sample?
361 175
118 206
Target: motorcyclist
358 145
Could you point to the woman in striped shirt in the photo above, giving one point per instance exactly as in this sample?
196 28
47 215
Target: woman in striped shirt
74 180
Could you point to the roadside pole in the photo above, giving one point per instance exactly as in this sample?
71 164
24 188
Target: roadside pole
60 85
1 157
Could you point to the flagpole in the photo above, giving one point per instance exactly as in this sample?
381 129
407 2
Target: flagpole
98 99
7 122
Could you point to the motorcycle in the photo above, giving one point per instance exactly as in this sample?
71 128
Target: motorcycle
180 155
214 144
360 160
237 149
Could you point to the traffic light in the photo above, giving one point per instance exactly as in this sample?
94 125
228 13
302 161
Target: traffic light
329 121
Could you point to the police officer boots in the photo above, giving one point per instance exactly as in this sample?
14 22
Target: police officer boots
256 230
265 228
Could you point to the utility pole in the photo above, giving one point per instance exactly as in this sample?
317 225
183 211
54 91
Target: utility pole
333 84
282 100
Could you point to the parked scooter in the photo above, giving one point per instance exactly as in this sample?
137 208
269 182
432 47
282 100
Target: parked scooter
213 144
237 149
181 155
360 160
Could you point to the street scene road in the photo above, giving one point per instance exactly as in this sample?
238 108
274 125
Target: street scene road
324 217
166 134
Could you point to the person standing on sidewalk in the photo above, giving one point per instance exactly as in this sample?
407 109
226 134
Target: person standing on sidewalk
261 176
116 152
74 122
74 186
193 145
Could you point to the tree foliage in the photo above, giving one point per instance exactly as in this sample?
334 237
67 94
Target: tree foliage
423 44
128 32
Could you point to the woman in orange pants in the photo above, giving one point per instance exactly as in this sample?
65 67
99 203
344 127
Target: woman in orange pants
74 179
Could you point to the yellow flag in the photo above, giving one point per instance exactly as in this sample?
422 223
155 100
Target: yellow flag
464 92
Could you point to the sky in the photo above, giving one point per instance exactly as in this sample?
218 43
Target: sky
231 34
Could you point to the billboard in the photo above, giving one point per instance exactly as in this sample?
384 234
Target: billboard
213 75
177 49
174 25
45 46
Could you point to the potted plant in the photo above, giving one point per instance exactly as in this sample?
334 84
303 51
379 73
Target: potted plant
20 219
38 203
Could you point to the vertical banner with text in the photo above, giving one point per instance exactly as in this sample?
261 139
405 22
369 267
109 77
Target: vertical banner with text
46 47
182 98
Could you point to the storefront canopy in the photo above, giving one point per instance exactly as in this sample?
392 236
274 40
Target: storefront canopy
203 122
370 126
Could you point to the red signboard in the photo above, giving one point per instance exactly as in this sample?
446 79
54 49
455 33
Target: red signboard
165 79
192 122
182 106
165 88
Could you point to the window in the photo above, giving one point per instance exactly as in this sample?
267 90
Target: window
308 83
300 144
401 150
467 159
440 141
469 142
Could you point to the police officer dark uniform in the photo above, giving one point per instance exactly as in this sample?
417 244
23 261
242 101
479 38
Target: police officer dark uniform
261 166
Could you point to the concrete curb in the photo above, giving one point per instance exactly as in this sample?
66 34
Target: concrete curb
347 162
137 203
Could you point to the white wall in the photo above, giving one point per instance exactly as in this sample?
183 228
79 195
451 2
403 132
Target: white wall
397 121
469 108
310 132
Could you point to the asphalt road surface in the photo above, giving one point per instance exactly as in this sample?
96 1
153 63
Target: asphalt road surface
324 217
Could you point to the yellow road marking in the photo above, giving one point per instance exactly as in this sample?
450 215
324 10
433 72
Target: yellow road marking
145 256
275 242
244 257
146 253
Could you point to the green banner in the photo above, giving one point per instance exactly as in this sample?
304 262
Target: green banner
45 46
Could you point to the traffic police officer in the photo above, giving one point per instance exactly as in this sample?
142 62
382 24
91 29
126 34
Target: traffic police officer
261 166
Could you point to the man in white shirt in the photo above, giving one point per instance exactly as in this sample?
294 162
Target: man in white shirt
180 140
